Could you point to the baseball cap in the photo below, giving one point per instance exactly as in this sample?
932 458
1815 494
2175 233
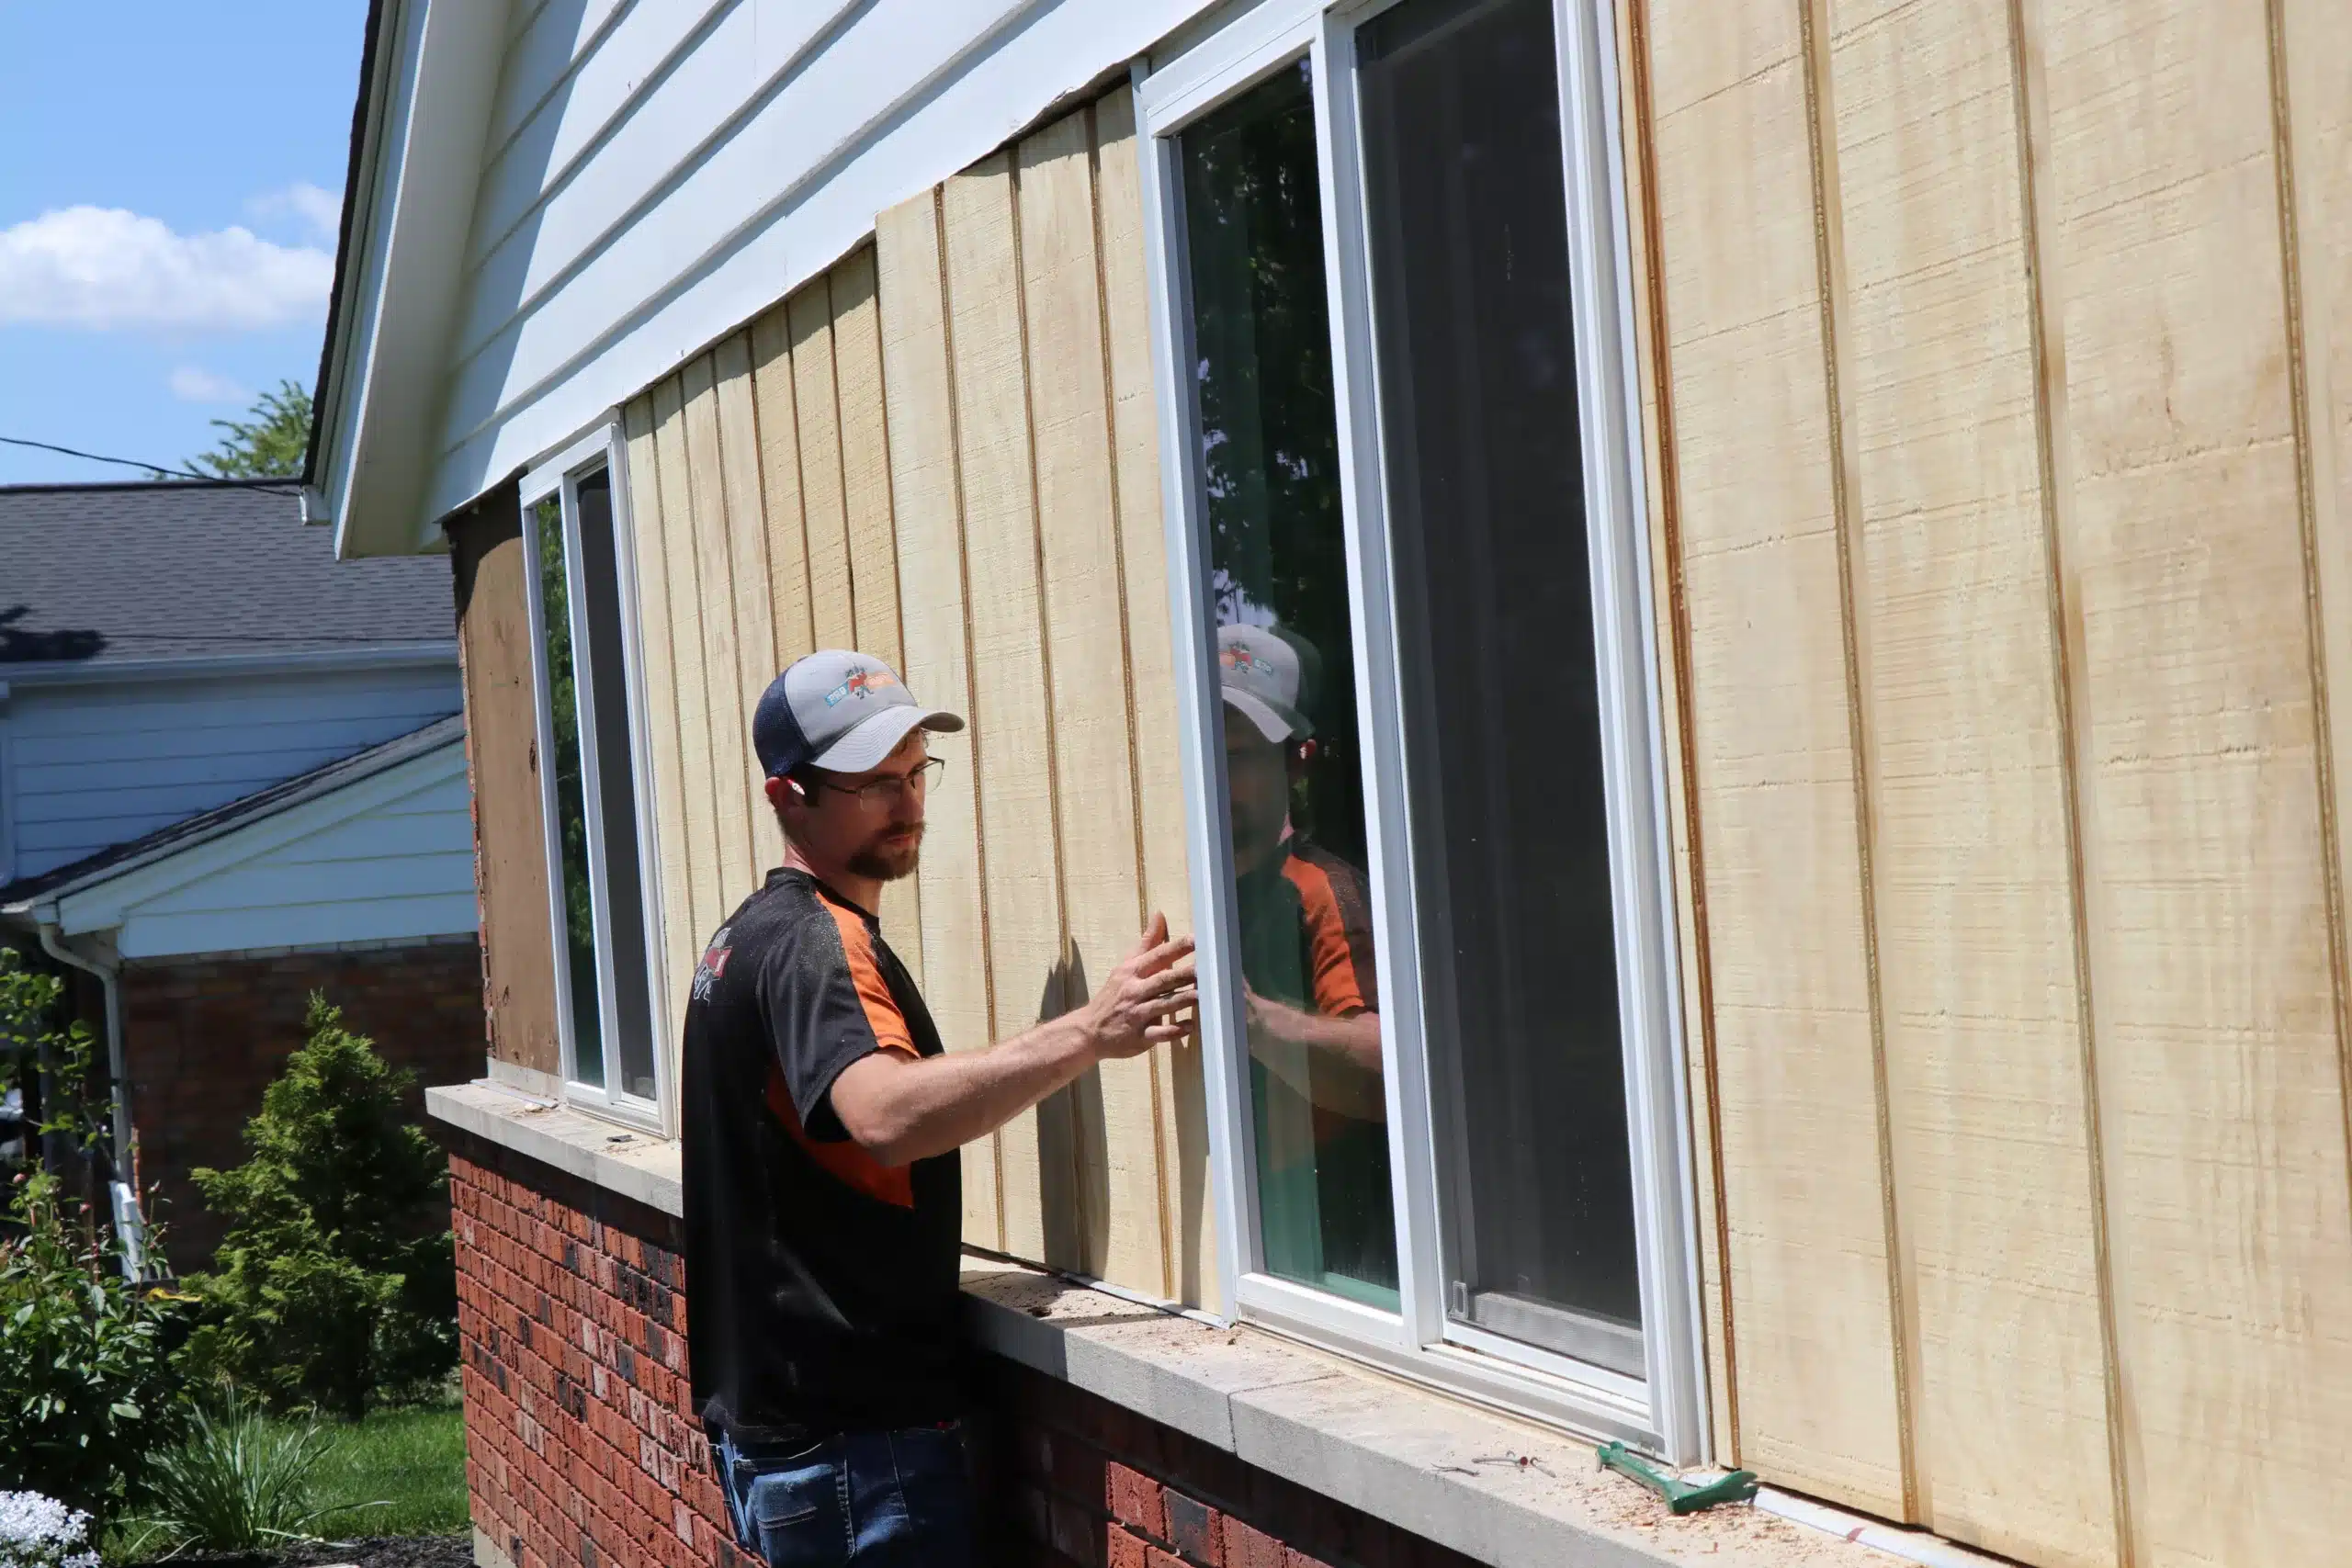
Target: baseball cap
1259 673
839 710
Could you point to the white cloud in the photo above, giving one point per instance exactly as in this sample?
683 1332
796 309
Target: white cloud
103 267
193 384
320 209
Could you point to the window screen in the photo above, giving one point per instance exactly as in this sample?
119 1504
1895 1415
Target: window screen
1467 219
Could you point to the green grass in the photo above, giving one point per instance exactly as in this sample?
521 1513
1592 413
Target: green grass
414 1460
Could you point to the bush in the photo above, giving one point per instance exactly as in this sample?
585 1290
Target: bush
335 1286
86 1387
241 1483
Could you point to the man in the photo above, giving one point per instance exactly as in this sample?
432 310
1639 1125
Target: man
821 1124
1318 1105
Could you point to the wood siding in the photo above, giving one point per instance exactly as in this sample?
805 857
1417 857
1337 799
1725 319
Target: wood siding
503 767
943 452
1995 370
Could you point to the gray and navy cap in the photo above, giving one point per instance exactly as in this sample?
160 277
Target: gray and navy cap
1260 674
841 711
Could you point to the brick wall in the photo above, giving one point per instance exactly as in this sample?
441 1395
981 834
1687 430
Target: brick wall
203 1037
582 1446
1091 1483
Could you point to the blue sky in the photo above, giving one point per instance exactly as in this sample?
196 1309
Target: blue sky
169 175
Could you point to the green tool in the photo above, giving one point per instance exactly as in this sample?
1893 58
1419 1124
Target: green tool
1739 1487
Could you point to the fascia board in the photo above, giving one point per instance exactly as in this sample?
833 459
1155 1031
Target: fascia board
444 91
108 902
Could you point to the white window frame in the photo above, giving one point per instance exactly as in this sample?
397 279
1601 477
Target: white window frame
1664 1410
558 478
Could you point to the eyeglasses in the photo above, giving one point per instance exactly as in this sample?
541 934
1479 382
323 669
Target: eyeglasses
875 795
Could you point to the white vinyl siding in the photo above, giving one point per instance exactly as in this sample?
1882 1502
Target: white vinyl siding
386 858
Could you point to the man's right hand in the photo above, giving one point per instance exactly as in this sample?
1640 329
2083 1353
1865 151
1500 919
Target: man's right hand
1144 1001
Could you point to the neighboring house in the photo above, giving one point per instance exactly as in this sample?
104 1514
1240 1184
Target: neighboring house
232 772
1812 526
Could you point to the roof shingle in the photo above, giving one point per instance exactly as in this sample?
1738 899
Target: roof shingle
110 572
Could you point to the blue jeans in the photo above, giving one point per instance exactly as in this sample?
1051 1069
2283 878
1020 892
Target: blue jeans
871 1500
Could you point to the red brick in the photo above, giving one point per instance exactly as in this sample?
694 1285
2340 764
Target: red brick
1246 1546
1135 1498
1078 1535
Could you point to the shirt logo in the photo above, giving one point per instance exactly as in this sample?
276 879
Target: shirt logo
860 683
713 964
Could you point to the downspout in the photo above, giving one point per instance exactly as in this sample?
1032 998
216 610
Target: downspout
109 973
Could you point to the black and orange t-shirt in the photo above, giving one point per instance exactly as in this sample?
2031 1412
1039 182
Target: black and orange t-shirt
822 1283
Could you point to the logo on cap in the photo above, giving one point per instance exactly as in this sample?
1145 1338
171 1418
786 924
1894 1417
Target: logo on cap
859 683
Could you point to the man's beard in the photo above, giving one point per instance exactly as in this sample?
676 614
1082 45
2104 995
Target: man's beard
887 861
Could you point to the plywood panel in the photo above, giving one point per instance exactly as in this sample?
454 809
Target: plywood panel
747 553
2201 801
1115 1107
722 663
660 681
701 905
788 611
1187 1214
928 507
1970 846
1011 700
872 545
497 661
1773 755
831 595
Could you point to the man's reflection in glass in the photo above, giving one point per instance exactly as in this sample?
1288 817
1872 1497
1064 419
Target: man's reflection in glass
1313 998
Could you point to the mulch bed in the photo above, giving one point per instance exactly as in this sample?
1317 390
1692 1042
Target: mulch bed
371 1552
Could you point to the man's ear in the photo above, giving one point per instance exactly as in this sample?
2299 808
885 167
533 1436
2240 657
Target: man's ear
781 788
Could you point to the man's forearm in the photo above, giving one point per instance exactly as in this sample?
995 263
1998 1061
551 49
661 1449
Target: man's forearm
930 1107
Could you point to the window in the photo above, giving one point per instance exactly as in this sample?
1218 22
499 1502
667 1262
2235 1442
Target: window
599 884
1444 1057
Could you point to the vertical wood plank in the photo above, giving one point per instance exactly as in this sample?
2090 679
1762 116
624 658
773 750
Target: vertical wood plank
1685 831
873 547
2219 1076
2315 39
1772 752
653 638
722 664
1188 1217
1970 846
831 595
790 616
747 550
696 782
927 509
1011 708
1114 1107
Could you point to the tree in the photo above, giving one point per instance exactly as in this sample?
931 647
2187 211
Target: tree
333 1287
271 444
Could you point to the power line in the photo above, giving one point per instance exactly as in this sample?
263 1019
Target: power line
159 469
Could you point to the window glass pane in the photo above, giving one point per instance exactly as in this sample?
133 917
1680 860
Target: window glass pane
1268 476
615 786
1466 210
571 796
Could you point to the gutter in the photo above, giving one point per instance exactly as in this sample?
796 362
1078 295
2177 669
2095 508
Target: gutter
130 1224
386 654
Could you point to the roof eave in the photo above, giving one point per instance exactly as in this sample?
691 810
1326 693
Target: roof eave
426 100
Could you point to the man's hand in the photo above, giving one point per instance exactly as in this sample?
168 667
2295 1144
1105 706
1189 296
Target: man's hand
1138 1003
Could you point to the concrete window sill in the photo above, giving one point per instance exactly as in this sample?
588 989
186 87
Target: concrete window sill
1492 1488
